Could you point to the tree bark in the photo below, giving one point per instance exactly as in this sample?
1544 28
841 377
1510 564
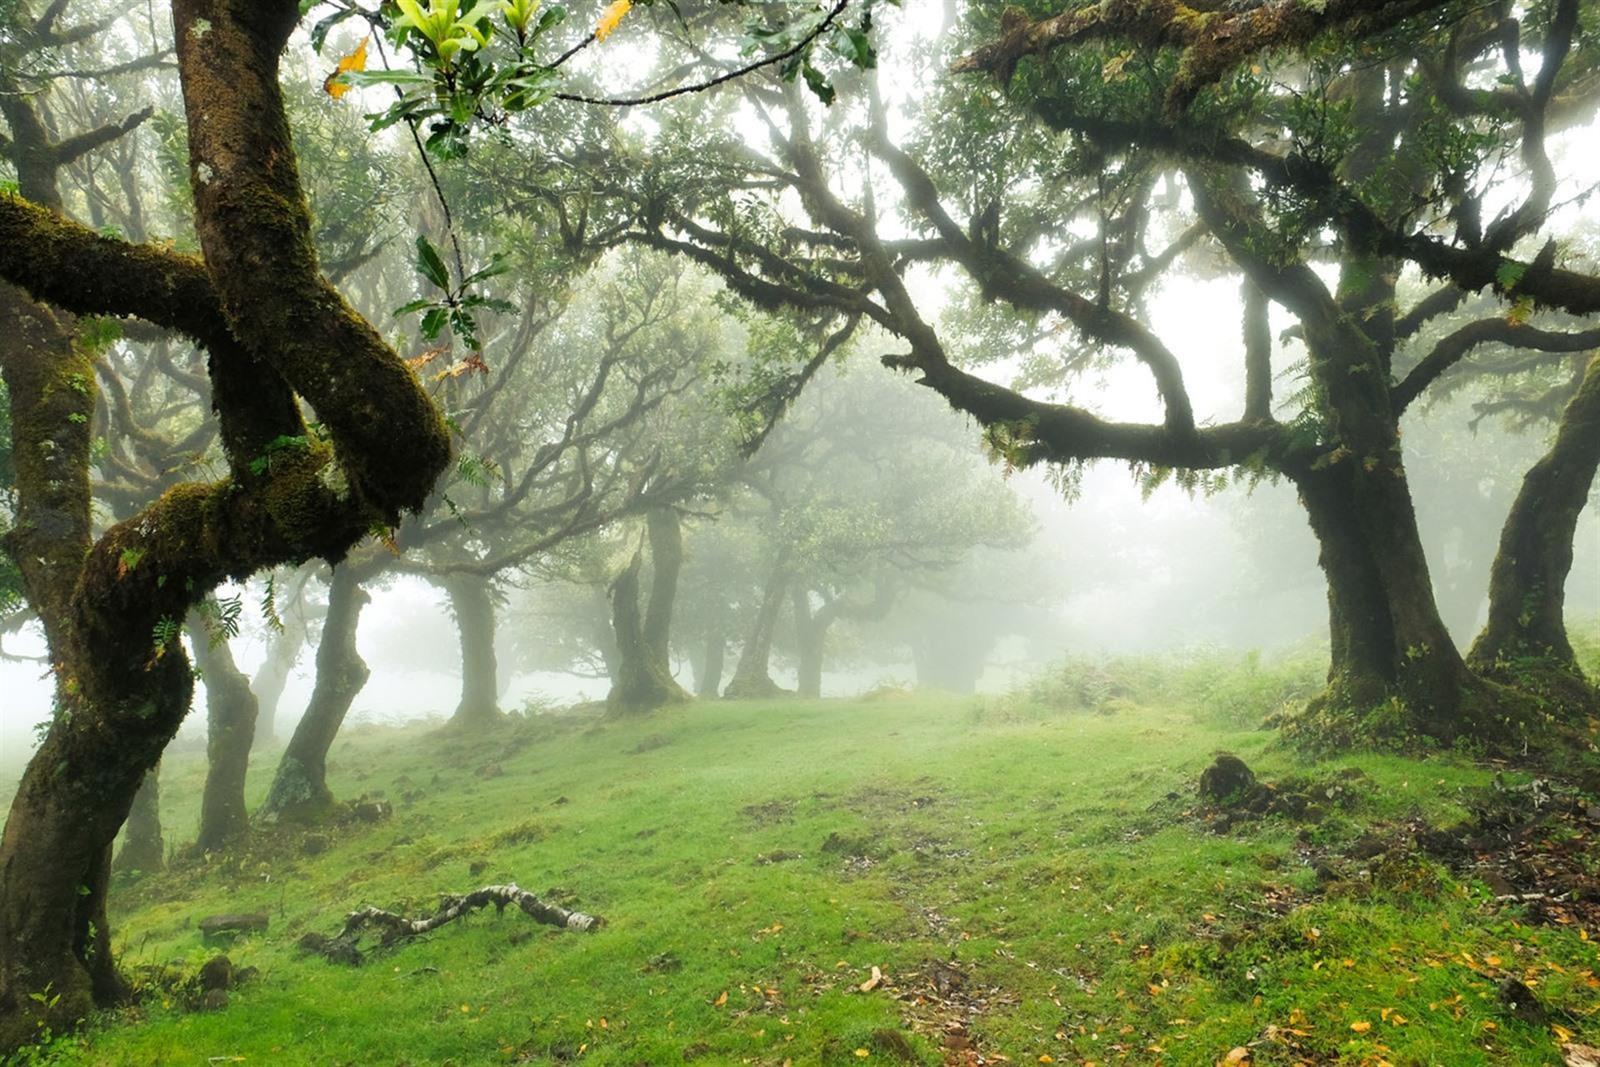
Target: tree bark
665 532
1524 643
1386 637
143 849
644 671
230 731
752 678
283 651
300 788
472 603
811 631
275 330
708 671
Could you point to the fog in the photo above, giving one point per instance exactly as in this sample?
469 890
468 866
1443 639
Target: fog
915 532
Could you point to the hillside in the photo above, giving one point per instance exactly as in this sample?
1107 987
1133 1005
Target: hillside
910 878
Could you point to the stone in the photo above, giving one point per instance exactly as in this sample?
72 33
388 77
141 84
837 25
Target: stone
229 926
216 973
1228 781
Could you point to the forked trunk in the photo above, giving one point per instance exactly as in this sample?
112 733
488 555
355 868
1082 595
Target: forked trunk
752 679
230 731
300 788
1524 643
472 603
644 678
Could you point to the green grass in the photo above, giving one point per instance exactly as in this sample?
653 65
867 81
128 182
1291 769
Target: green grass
1090 918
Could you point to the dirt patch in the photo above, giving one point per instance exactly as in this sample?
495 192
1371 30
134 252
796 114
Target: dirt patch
770 812
1531 845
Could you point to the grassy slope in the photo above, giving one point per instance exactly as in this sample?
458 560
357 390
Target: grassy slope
1022 845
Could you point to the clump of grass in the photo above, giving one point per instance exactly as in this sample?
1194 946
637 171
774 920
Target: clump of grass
1226 689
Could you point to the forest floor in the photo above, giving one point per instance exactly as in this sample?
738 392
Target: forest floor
905 879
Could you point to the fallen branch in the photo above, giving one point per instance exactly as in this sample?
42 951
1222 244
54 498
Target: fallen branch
392 927
396 927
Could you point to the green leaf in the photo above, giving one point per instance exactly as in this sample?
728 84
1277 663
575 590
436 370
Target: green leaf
434 321
430 264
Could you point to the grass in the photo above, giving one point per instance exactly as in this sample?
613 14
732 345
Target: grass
1022 872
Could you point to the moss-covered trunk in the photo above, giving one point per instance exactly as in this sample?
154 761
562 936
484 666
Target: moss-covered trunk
277 333
230 732
472 604
143 849
1524 643
299 790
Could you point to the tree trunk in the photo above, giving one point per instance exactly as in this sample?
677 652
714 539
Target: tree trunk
644 677
1524 643
270 681
752 678
472 603
811 630
143 850
951 661
665 531
275 330
230 731
1386 637
300 788
708 672
55 855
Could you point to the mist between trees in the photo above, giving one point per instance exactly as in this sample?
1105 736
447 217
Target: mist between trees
372 363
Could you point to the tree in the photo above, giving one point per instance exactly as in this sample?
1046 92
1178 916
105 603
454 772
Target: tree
259 303
1171 146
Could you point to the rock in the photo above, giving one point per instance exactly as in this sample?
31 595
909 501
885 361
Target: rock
371 810
212 1000
314 844
216 973
229 926
1521 1001
893 1043
1228 781
664 963
332 948
1368 846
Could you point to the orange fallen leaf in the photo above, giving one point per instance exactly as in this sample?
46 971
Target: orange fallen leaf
1361 1027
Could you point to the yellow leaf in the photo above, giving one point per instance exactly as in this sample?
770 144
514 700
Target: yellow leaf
720 1001
862 1053
1361 1027
1240 1055
355 61
610 17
